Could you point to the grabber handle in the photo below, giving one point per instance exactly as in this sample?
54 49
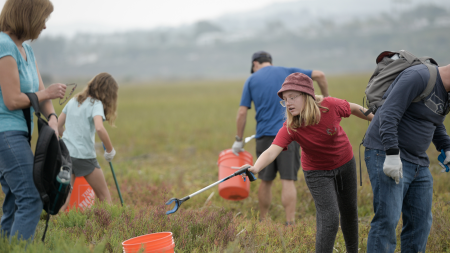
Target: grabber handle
249 174
441 158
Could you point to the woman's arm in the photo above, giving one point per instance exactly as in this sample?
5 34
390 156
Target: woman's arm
10 84
102 133
265 158
61 123
359 111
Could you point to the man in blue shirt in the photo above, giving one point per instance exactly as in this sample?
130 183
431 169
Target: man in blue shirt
261 88
396 143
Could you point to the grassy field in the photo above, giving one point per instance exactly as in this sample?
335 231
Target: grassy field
168 138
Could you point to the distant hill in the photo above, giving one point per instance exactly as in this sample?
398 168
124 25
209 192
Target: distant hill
335 38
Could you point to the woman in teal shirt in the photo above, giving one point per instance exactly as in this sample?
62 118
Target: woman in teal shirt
21 20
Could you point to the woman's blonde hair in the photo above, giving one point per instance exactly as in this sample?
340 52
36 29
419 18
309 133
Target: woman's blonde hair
310 114
102 87
25 18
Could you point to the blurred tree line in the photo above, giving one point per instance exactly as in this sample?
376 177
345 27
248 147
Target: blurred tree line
207 50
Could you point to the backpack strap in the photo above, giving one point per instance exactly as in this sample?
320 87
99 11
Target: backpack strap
410 58
27 112
430 84
46 226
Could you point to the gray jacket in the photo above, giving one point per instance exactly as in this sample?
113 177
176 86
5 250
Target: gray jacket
410 127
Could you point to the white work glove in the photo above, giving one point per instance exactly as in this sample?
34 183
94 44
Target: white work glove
446 161
392 167
109 156
238 146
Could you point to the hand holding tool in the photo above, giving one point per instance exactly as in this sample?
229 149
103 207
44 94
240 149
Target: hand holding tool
112 170
444 159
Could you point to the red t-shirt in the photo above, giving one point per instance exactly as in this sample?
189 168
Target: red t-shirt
324 146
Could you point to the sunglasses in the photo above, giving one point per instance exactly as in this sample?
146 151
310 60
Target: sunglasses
70 94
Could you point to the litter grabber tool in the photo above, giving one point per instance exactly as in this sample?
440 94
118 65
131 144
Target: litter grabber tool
244 172
441 159
115 180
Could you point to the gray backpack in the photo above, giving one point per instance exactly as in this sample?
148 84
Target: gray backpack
389 66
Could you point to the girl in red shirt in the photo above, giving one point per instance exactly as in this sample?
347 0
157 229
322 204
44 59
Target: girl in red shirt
327 157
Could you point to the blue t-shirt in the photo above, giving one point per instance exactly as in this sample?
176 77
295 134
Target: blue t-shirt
29 83
79 135
410 127
261 88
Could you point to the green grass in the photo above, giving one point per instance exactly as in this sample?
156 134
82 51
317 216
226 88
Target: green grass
168 138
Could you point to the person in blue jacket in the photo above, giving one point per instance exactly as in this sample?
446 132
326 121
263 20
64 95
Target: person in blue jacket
261 88
396 143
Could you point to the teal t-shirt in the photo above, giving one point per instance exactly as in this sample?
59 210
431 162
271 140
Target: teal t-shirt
29 83
79 135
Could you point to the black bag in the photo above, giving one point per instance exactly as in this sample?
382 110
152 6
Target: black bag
51 157
389 66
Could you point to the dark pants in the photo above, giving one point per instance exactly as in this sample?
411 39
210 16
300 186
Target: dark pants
335 192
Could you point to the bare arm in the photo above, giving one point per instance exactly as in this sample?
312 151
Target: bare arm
321 80
10 84
61 123
241 119
359 111
265 158
102 133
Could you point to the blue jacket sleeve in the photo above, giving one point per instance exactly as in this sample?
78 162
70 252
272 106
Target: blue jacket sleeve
441 139
407 86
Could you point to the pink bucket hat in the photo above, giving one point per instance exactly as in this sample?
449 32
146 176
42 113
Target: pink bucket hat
297 82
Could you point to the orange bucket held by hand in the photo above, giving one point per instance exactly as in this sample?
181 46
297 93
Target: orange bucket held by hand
235 188
82 194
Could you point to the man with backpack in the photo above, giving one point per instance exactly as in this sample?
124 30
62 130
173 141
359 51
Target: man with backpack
396 143
261 88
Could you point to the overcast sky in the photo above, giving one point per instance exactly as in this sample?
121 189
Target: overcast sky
92 15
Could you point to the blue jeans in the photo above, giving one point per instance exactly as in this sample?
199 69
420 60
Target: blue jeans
412 197
22 206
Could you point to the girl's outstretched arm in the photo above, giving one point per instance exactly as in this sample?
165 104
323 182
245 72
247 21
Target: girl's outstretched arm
265 158
61 123
358 111
102 133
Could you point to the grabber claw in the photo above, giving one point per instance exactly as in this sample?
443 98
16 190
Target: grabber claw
178 203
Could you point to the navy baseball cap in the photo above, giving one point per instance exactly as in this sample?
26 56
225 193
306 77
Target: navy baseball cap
260 54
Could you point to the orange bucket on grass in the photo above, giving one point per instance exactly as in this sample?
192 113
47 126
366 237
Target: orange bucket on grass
234 188
82 196
152 243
